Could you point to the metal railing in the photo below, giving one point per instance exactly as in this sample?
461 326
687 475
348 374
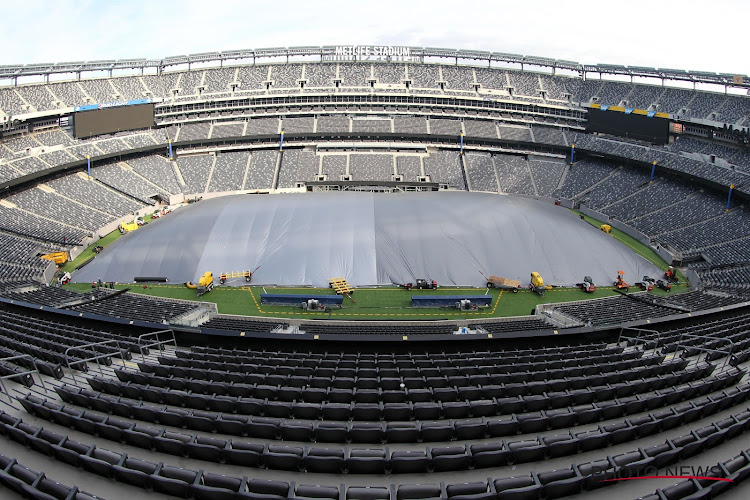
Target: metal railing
637 338
21 374
96 358
333 53
728 354
143 345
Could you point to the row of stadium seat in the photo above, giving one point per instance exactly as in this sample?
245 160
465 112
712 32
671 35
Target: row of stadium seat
378 461
195 484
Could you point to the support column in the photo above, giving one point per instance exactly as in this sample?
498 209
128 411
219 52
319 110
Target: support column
729 198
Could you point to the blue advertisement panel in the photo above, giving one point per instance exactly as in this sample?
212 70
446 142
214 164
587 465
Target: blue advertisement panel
115 104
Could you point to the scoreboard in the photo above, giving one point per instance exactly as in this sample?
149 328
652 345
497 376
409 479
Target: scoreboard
630 123
94 120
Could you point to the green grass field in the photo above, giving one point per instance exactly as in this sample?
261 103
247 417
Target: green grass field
386 303
371 303
88 254
635 245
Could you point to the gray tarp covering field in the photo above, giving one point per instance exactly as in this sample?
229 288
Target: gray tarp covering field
305 239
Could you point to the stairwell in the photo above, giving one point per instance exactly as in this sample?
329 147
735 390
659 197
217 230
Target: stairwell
275 181
178 173
531 175
465 172
591 188
210 174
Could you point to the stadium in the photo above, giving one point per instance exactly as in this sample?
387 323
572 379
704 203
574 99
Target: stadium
211 273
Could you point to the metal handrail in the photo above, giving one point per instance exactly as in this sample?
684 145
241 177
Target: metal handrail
29 372
638 338
707 349
157 342
93 358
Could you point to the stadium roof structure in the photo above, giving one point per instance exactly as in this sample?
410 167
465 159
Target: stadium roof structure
330 53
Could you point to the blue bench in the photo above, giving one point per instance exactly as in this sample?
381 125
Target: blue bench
449 300
290 299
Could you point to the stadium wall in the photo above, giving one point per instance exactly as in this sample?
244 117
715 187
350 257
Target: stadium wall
593 213
630 231
76 251
49 272
693 277
181 197
664 253
544 198
105 230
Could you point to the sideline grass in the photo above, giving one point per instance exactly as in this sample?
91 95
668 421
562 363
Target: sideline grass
643 250
88 254
371 303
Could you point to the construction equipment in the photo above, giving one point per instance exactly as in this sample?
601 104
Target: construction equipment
248 275
503 283
128 227
587 285
671 274
620 283
465 305
422 284
646 284
426 284
537 284
205 283
161 213
664 285
313 305
606 228
58 258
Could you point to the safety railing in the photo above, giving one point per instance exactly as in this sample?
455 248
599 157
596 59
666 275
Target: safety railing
703 348
640 338
29 372
144 344
96 358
